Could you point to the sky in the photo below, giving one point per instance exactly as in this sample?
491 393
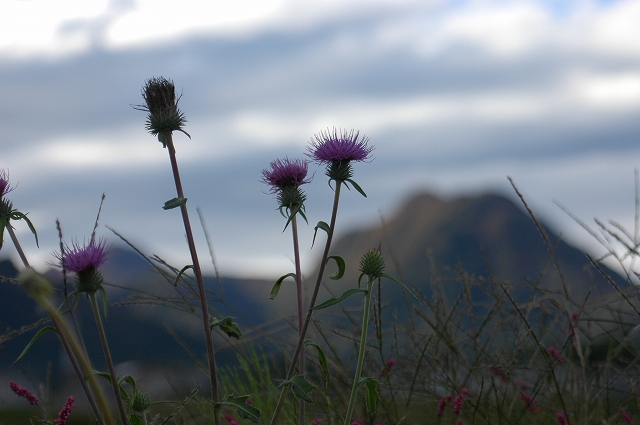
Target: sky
454 95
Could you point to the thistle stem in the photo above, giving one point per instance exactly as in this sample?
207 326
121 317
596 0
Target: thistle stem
107 356
198 273
61 335
363 347
307 320
301 360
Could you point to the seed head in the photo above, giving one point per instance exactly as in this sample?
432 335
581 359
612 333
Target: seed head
161 103
372 263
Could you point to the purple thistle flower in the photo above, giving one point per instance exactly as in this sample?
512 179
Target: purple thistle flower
330 146
285 173
80 258
65 412
5 187
23 392
562 419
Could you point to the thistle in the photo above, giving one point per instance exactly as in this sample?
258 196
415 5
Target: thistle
84 261
161 103
337 150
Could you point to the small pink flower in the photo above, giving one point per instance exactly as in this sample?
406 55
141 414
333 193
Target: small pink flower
553 352
562 419
357 422
442 404
23 392
230 419
65 412
316 421
530 402
389 365
626 417
458 402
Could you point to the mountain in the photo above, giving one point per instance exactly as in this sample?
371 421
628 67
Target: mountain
486 236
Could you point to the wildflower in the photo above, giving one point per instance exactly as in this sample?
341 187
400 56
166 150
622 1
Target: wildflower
555 354
499 373
562 419
626 417
357 422
5 187
161 103
388 366
530 402
442 404
84 261
372 264
285 176
337 150
316 421
65 412
230 419
458 402
23 392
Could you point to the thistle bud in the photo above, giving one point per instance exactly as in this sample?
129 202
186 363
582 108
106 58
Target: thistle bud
162 105
140 401
372 263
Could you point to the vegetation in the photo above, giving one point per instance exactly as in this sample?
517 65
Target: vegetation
460 349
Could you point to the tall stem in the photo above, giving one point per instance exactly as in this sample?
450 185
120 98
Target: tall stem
363 347
107 356
307 319
61 335
301 360
198 273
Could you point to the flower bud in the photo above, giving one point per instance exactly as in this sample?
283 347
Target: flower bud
140 401
372 263
164 116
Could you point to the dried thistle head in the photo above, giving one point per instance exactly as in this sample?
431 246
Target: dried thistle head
161 103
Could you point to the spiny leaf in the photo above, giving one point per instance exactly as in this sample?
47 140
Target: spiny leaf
301 387
371 393
174 203
341 267
333 301
243 408
227 325
276 286
34 339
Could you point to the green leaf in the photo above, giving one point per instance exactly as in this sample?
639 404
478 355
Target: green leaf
34 339
17 215
333 301
321 358
243 408
184 269
301 387
276 286
174 203
402 285
321 225
371 393
341 267
357 187
227 325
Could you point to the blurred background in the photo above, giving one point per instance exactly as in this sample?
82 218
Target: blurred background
454 95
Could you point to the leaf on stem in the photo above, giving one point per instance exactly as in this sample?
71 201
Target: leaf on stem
243 408
333 301
341 267
371 395
300 386
356 187
17 215
321 358
184 269
276 286
174 203
33 340
227 325
402 285
321 225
